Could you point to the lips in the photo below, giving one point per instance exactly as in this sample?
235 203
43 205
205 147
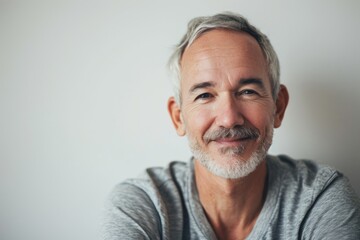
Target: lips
225 140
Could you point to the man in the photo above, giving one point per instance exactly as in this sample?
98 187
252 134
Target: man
227 101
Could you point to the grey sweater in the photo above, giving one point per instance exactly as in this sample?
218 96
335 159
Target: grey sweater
304 200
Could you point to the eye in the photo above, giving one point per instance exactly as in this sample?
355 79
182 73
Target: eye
247 92
204 96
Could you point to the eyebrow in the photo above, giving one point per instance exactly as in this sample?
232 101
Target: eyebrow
255 81
201 85
241 82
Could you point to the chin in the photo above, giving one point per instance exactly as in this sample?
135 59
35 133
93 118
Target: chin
232 168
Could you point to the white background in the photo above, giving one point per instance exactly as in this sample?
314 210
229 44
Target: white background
83 91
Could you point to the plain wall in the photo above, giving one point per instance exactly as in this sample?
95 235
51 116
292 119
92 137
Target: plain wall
83 91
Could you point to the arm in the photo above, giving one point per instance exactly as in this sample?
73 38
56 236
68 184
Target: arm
335 213
130 214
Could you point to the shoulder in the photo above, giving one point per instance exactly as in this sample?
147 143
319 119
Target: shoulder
306 180
153 187
306 171
303 177
139 207
318 198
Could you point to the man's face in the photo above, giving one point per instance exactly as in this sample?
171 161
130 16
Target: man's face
227 108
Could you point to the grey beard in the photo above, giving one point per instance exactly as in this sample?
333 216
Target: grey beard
241 167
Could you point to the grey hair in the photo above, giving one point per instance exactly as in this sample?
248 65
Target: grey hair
231 21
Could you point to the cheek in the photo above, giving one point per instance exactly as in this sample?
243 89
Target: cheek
197 120
260 116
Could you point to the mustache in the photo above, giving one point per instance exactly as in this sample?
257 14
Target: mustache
237 132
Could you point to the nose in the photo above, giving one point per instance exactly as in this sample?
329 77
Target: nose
228 113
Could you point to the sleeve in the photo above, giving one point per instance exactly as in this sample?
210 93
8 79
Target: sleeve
130 214
335 213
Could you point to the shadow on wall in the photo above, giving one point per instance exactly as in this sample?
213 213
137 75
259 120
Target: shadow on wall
330 117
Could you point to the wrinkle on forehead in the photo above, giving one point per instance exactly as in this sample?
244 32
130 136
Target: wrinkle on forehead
220 40
222 49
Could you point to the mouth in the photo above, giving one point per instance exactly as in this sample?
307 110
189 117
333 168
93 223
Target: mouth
232 141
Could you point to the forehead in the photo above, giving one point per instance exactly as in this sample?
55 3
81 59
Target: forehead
223 53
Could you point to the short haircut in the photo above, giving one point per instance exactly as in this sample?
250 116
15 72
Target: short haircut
230 21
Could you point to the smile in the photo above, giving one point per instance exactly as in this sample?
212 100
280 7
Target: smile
232 141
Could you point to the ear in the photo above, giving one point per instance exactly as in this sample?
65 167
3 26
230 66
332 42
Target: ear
281 104
175 115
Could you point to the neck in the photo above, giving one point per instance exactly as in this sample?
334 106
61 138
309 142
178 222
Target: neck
231 205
